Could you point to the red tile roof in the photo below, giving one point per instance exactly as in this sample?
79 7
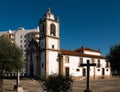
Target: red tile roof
87 49
75 53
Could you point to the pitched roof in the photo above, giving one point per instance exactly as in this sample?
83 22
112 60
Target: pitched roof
88 49
75 53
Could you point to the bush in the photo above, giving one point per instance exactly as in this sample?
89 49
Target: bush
57 83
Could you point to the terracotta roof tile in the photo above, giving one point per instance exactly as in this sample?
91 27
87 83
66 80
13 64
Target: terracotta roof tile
74 53
87 49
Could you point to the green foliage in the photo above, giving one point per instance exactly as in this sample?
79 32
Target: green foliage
58 83
11 56
43 78
114 57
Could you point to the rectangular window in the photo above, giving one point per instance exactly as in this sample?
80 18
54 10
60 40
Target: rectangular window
20 46
24 41
98 70
25 45
98 64
20 41
77 70
81 60
25 36
66 59
92 60
107 64
107 70
21 36
52 46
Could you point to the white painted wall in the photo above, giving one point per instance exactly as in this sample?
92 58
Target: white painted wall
107 72
92 71
73 66
53 62
74 62
103 63
54 42
99 73
92 53
50 16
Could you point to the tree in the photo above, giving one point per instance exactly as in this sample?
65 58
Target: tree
57 83
114 58
11 56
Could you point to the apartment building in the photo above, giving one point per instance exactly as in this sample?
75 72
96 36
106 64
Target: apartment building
21 37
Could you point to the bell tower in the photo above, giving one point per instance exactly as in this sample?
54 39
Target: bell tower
49 44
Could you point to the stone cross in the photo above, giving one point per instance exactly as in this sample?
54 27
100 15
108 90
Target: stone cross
88 68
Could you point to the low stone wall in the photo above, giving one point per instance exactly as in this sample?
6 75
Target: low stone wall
103 77
91 77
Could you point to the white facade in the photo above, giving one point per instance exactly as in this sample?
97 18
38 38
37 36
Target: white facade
77 71
67 62
53 63
92 53
49 44
44 56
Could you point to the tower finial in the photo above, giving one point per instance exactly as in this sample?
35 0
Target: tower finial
49 5
83 46
48 11
99 50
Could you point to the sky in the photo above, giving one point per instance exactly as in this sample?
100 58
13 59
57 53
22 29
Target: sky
91 23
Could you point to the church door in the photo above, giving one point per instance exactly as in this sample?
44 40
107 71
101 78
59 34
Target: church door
67 71
84 72
103 71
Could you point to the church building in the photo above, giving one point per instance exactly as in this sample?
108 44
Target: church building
49 59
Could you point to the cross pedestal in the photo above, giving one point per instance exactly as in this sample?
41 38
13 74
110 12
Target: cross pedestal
19 88
88 69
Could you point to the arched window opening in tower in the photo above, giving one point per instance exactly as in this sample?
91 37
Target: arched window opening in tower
52 30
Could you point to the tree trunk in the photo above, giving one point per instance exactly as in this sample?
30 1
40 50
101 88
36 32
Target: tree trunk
1 82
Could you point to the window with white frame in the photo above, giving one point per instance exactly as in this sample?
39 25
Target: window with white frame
81 60
107 64
98 63
66 59
92 60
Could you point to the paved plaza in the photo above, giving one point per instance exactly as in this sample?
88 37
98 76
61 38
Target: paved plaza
102 85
